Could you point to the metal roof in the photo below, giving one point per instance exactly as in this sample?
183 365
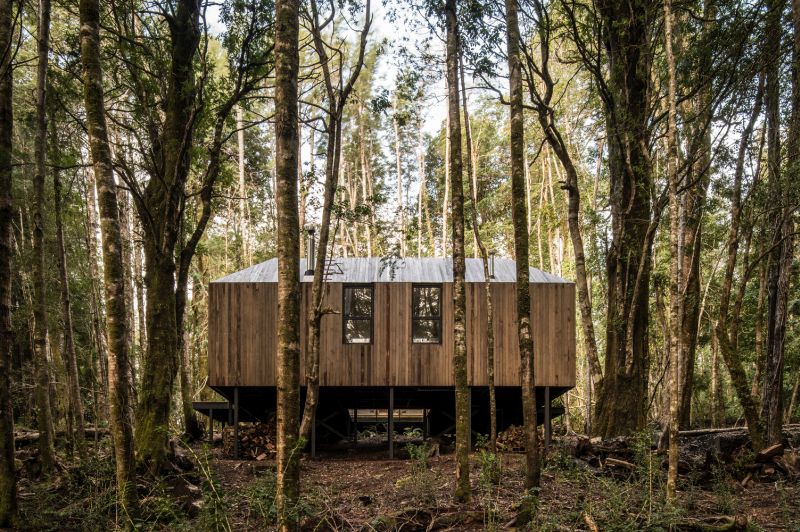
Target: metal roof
408 270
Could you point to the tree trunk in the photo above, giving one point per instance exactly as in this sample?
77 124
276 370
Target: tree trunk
244 218
463 414
337 98
622 394
70 359
399 174
44 414
96 302
287 65
526 345
112 257
726 334
675 266
160 212
487 281
782 227
8 480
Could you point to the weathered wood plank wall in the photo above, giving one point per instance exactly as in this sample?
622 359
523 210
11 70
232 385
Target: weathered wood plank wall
243 325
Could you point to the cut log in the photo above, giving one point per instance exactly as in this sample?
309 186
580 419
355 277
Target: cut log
768 453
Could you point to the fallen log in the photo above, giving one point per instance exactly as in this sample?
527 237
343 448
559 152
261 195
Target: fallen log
620 463
711 524
29 437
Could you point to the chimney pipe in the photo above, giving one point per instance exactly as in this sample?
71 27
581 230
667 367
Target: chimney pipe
312 247
491 264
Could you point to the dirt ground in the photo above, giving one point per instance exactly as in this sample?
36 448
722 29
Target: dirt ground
361 489
366 491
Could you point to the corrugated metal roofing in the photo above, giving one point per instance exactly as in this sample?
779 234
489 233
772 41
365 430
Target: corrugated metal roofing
409 270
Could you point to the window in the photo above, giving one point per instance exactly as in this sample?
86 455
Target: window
357 314
426 314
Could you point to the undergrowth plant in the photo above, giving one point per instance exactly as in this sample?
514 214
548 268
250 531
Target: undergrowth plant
420 484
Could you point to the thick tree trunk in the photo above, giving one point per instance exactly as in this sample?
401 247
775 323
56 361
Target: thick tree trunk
782 226
287 65
70 358
526 345
622 394
160 213
112 257
463 414
44 414
8 480
699 110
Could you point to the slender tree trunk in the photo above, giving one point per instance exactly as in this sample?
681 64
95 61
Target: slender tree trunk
112 257
526 345
716 385
487 283
244 219
675 296
40 339
446 199
463 392
8 479
422 185
725 333
793 400
287 65
70 359
399 174
96 302
337 97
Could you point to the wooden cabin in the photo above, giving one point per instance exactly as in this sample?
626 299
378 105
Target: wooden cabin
388 336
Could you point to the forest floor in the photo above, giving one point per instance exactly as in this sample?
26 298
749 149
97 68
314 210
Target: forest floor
363 490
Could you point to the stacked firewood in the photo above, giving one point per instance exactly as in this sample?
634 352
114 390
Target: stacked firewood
256 441
511 440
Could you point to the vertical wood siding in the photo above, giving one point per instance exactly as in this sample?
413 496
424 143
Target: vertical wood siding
243 327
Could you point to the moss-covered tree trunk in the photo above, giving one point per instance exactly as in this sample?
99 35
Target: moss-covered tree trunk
462 492
520 222
44 413
622 394
114 272
8 480
287 65
161 212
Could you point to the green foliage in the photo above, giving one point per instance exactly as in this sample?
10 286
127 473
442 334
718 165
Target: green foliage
420 485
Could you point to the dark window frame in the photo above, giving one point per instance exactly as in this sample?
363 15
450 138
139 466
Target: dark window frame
346 317
415 317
